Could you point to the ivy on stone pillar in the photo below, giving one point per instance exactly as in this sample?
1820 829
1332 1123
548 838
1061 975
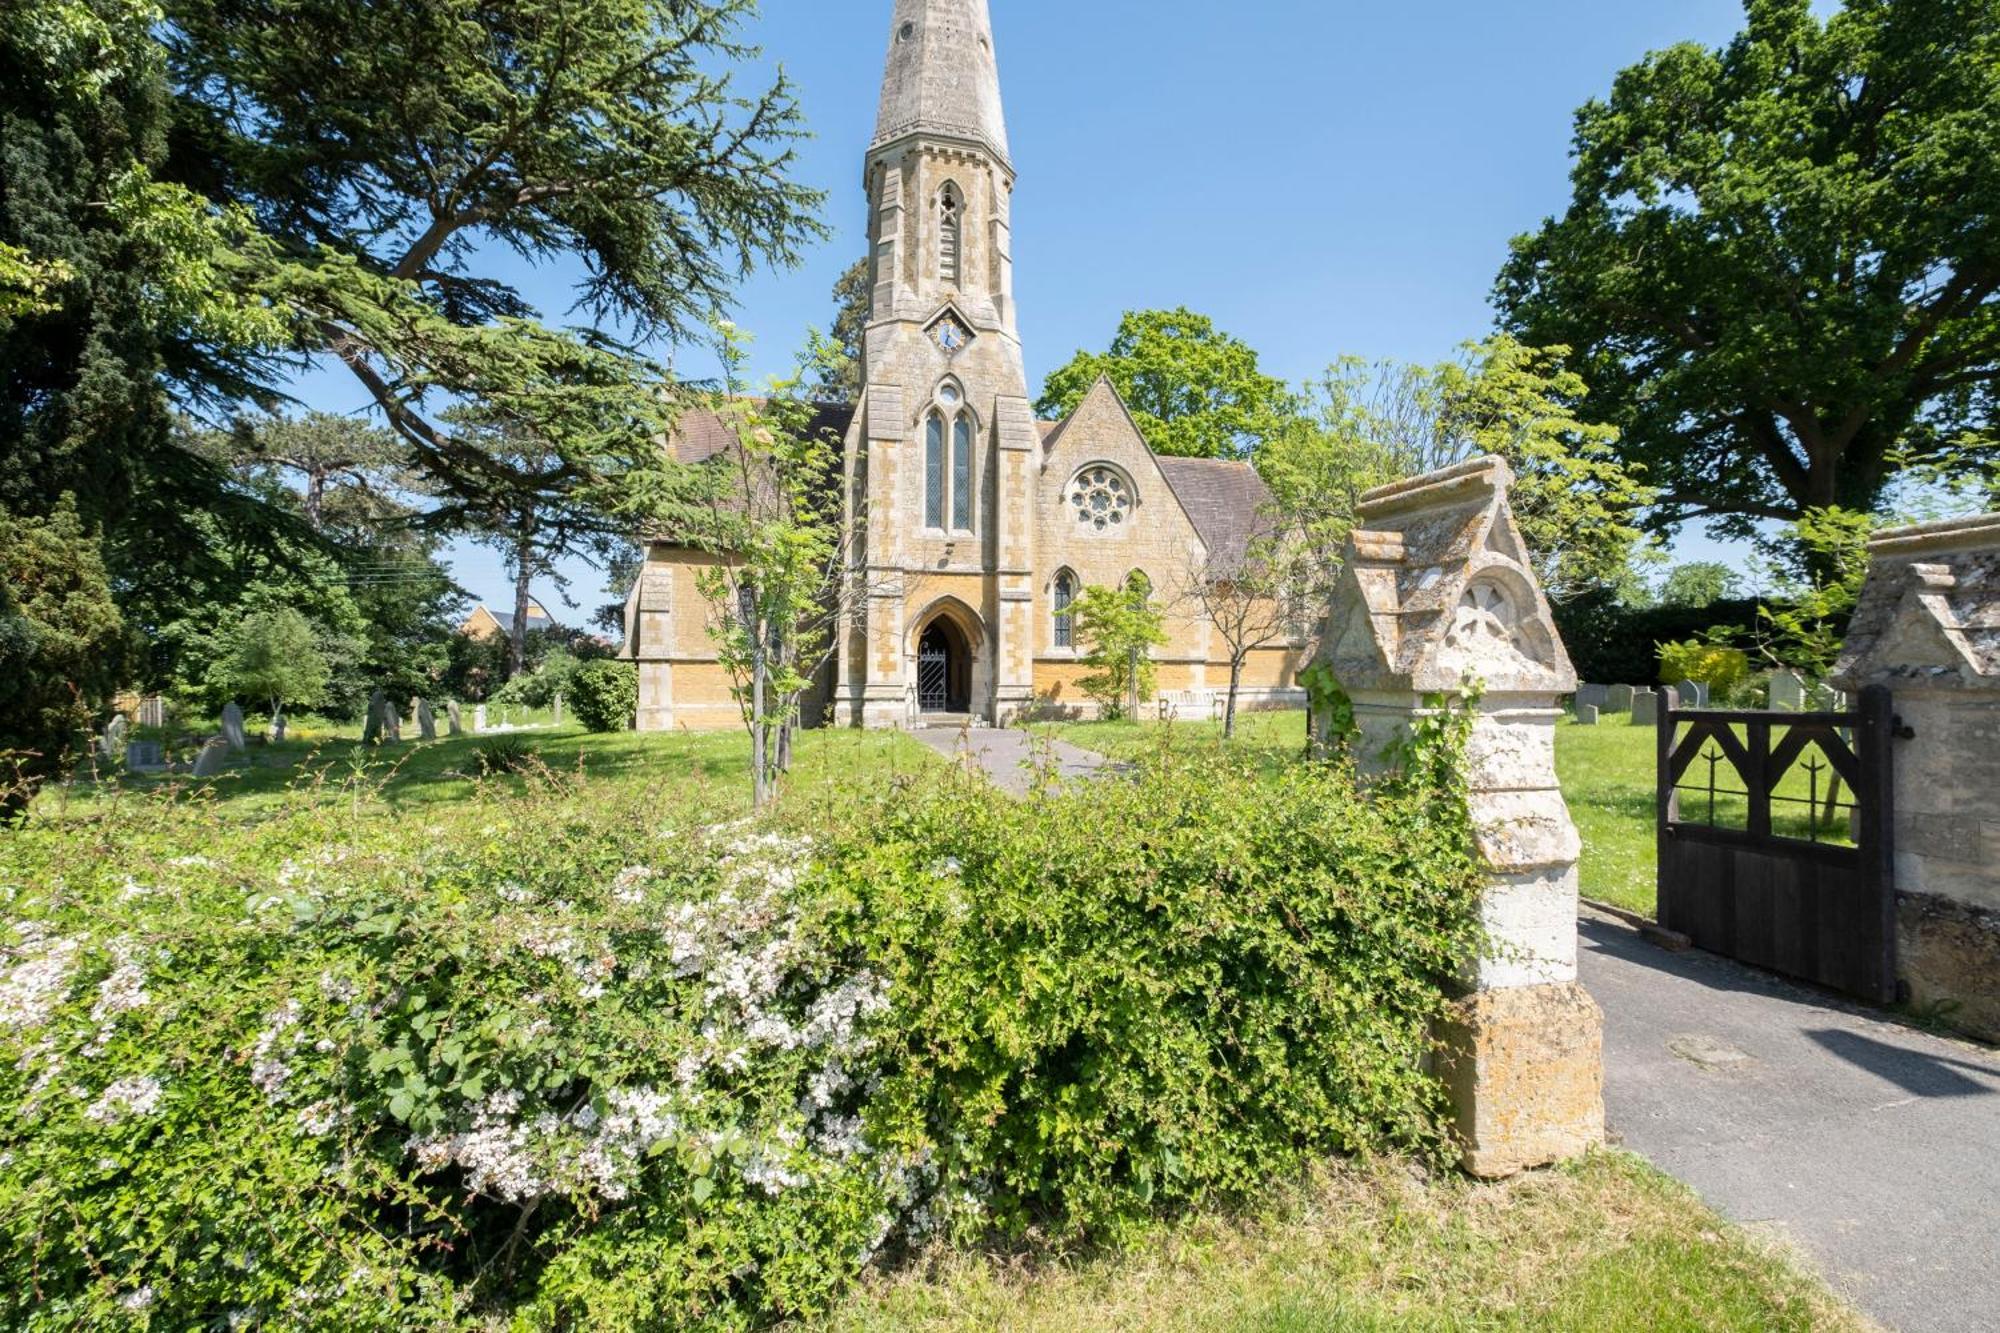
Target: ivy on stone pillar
1438 605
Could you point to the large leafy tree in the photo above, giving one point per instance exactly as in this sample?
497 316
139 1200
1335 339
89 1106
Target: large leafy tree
604 131
1195 390
1781 263
61 640
120 291
197 197
1577 503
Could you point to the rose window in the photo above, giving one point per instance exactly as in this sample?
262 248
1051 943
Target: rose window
1101 498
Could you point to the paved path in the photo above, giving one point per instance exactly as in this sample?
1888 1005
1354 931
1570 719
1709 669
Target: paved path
1008 757
1873 1147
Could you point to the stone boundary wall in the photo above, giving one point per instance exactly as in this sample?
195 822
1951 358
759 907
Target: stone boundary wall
1928 628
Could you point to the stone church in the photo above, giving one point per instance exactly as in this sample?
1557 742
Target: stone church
979 524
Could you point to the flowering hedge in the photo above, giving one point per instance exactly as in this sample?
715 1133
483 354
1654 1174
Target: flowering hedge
553 1063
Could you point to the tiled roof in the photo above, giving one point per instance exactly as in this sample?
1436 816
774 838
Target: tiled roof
1226 501
700 434
506 620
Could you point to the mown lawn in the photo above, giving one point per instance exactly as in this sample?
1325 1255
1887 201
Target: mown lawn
709 770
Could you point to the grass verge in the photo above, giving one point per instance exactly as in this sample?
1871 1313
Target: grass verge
1607 1243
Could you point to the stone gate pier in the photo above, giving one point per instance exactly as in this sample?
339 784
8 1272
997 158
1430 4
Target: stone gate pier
1439 602
1928 628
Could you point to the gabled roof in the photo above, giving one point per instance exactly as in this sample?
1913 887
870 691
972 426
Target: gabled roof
1929 614
1225 500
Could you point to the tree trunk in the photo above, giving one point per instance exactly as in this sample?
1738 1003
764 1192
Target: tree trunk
524 577
1235 684
760 741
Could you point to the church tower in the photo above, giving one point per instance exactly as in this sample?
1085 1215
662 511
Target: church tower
944 454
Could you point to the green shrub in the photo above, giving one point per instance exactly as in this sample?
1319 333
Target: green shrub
506 754
563 1063
541 687
62 648
605 695
1721 668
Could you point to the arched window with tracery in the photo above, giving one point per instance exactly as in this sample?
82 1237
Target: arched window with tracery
961 473
1063 597
1140 585
934 487
951 482
950 222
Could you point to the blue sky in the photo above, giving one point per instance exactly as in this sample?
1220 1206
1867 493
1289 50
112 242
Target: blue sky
1323 177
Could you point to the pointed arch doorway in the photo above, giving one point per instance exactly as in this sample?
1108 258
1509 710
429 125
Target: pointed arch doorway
944 669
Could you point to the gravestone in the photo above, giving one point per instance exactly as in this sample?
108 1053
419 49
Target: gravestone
1586 715
153 711
479 717
1788 692
378 709
1693 694
1618 699
1593 696
392 724
214 755
114 738
427 725
277 732
1437 589
145 757
232 727
454 718
1645 708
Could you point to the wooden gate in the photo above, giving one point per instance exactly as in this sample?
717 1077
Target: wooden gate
1775 842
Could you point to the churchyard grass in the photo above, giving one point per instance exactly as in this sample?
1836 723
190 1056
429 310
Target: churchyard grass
444 773
1605 1243
1606 772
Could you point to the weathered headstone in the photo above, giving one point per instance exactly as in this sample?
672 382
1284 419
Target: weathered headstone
479 717
1593 696
372 731
1618 699
153 711
1586 715
392 724
278 726
232 727
1645 708
1788 692
1927 628
454 718
1521 1056
427 725
1693 694
214 755
145 757
113 742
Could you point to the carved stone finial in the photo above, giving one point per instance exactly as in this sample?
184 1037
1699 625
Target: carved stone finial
1438 596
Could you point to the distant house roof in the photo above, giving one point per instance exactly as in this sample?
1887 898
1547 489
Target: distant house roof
535 622
484 621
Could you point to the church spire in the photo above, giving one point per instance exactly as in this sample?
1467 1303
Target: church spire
942 79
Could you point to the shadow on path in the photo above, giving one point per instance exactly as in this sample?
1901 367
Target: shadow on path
1873 1146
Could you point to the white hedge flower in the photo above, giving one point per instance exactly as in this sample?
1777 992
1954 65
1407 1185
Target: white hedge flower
127 1097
